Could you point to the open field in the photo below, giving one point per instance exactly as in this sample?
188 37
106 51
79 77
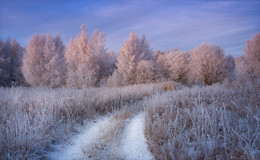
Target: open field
214 122
129 80
33 118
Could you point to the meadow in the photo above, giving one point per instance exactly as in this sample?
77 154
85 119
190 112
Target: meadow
33 118
180 122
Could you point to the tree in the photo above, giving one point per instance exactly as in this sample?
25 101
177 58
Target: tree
33 62
87 58
162 68
55 68
107 66
115 79
208 64
247 66
133 51
10 62
43 61
178 63
4 61
230 67
81 61
240 69
252 57
145 72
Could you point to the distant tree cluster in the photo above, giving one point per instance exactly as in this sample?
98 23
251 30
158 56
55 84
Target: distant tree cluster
85 62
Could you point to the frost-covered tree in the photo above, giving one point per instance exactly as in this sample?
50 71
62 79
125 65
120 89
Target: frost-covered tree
44 62
16 63
145 72
145 50
240 69
134 50
33 67
10 63
162 68
54 61
107 66
248 65
81 61
252 57
83 77
208 64
115 79
4 62
88 59
178 63
229 67
156 54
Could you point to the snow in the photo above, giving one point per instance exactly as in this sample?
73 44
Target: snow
81 143
134 144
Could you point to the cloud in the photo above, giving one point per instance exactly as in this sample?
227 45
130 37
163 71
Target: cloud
188 28
166 23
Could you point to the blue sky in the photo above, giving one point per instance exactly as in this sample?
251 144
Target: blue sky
166 23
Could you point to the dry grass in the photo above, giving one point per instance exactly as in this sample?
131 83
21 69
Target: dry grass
33 118
204 123
170 86
106 146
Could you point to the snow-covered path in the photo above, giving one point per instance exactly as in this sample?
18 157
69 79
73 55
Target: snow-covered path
126 143
134 145
80 143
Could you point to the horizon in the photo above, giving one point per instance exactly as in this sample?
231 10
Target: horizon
166 24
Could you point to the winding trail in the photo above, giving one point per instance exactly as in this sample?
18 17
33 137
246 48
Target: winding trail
108 138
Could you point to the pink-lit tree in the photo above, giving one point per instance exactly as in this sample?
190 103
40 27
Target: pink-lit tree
87 60
134 50
208 64
252 57
44 62
178 63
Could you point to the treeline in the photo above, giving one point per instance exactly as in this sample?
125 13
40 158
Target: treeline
85 62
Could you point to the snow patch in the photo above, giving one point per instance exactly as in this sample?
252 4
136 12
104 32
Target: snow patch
81 143
134 144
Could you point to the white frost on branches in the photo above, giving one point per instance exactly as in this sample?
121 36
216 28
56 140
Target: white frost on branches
44 62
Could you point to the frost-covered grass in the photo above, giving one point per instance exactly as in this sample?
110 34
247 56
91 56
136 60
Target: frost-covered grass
99 141
33 118
212 122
